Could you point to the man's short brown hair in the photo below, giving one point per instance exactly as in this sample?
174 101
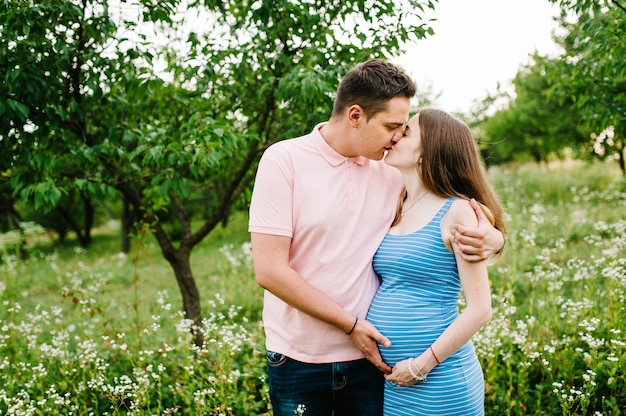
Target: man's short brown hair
371 84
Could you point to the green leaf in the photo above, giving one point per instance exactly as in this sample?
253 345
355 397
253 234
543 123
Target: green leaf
19 108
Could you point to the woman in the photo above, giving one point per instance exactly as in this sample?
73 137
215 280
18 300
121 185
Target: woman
435 368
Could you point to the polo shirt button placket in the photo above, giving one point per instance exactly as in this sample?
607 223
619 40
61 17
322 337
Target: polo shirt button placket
352 192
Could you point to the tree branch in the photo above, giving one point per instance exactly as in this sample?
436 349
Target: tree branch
619 5
229 195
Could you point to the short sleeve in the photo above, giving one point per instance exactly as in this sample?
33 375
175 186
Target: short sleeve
271 206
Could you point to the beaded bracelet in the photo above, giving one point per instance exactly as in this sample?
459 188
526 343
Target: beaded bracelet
417 377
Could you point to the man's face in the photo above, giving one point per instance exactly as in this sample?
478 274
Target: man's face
378 134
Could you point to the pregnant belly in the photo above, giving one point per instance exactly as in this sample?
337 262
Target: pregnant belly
411 330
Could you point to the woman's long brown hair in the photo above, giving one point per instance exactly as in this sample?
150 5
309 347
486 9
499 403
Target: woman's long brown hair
451 164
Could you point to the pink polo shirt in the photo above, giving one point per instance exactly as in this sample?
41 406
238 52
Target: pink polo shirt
336 211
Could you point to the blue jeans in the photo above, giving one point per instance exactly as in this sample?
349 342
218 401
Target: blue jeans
351 388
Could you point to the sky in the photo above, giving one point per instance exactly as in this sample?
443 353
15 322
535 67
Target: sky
478 43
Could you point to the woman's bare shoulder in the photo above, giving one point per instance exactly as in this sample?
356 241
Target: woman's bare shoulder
461 212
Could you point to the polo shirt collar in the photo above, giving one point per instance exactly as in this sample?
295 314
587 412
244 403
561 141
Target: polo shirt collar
328 153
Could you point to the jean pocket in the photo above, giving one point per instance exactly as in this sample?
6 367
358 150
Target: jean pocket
276 359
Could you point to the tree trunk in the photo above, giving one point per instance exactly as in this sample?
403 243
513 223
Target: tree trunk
89 211
179 259
73 225
189 291
13 223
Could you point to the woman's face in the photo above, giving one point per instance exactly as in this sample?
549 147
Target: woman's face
405 154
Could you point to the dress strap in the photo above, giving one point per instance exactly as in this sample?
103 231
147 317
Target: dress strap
444 209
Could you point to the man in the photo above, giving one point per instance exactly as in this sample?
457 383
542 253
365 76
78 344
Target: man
321 205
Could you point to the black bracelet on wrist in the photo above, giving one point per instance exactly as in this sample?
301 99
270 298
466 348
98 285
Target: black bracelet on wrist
353 326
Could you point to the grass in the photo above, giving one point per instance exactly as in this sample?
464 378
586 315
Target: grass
90 332
556 343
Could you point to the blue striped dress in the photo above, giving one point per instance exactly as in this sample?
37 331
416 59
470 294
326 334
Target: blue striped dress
416 302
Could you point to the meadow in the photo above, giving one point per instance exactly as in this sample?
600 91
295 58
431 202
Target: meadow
95 332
